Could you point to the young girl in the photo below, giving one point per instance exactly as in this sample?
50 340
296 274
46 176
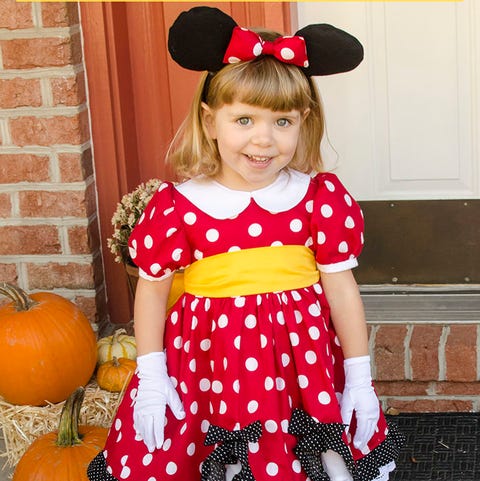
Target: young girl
263 360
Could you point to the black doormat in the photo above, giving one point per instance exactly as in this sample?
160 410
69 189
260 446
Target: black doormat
439 447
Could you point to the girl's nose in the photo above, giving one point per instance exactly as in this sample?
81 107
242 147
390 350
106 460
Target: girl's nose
262 135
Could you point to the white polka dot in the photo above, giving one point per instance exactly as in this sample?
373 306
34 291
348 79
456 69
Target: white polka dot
287 53
271 426
177 254
296 466
318 288
272 469
155 268
280 318
194 322
349 223
233 59
234 249
118 424
205 344
236 386
132 252
124 459
183 387
251 364
309 206
191 449
162 186
263 340
294 339
250 321
298 316
269 383
309 242
223 321
192 365
171 231
314 310
223 407
310 357
252 406
321 238
178 342
337 341
280 383
167 444
151 478
168 211
276 243
142 217
343 247
204 384
204 426
253 447
285 359
236 342
217 387
119 437
324 398
198 254
329 186
303 381
171 468
348 200
239 301
194 407
284 424
125 473
212 235
314 333
257 49
296 225
255 230
148 242
326 211
190 218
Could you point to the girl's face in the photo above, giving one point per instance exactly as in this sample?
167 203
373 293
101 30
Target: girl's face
254 143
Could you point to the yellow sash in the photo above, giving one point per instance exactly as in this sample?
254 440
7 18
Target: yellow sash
249 271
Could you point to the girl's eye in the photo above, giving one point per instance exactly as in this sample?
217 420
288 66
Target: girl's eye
243 121
283 122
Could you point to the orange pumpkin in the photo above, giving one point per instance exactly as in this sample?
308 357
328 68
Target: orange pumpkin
47 347
63 455
114 375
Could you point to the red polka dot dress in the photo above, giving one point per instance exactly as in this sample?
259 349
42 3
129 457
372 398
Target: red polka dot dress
259 375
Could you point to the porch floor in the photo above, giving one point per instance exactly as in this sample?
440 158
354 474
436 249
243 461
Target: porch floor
439 447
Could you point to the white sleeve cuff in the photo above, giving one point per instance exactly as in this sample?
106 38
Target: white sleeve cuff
148 277
338 266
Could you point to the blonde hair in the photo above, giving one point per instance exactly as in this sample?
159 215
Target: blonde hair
263 82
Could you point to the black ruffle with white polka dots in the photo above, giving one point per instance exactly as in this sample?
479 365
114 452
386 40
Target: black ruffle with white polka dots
314 438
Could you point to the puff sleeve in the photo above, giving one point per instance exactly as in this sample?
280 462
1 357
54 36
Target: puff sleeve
158 244
337 225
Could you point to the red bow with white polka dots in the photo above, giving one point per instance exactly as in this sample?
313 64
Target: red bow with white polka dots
246 45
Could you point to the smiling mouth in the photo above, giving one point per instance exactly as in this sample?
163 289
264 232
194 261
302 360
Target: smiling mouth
259 159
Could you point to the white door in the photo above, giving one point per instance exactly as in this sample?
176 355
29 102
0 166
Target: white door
406 123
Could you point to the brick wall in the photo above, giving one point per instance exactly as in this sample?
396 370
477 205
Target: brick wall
427 367
48 221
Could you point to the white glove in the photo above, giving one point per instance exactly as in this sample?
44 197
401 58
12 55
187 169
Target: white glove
155 391
359 396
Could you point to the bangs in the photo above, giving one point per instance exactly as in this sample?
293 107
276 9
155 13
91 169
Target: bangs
265 83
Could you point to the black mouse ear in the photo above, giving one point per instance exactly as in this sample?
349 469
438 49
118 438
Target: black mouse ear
199 37
330 50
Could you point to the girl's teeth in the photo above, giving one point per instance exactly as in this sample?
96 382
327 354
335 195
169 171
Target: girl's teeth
258 159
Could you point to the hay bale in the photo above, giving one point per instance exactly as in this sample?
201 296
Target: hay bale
21 425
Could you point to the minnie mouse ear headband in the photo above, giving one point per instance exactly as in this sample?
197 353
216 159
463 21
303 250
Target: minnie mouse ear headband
205 38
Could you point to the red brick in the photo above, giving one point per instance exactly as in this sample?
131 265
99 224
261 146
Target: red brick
424 352
50 130
401 388
461 353
458 388
75 167
20 92
390 353
53 204
8 273
29 240
15 15
5 206
78 240
28 53
59 14
54 275
430 405
88 306
24 168
69 91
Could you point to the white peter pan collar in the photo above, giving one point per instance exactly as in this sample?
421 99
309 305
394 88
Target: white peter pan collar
221 202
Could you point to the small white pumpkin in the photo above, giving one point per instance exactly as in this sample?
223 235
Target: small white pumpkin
120 344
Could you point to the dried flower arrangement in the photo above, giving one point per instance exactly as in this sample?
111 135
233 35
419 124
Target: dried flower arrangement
128 211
